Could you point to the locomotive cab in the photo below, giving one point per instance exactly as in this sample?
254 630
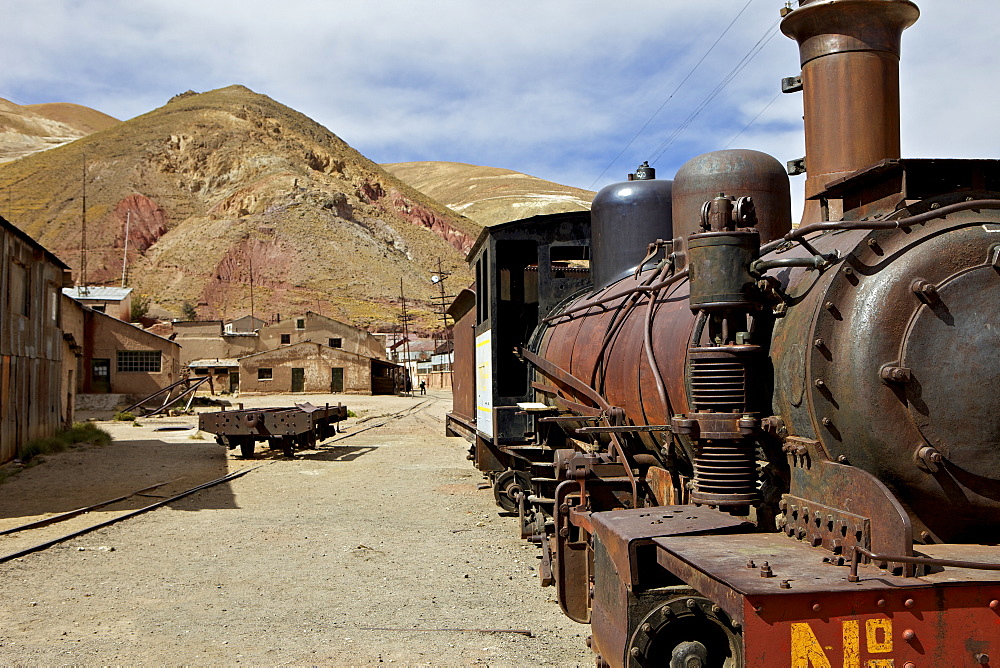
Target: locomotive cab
523 269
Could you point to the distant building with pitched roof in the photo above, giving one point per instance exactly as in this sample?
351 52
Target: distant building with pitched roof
116 302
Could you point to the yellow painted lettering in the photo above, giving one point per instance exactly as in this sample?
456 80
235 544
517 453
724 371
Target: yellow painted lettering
806 650
852 644
876 646
881 663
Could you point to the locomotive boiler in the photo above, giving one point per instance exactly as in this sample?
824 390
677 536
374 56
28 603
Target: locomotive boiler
743 444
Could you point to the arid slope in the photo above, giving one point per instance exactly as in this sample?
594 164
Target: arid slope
37 127
221 186
489 195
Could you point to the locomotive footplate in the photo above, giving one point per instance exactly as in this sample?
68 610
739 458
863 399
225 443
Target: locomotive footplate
781 602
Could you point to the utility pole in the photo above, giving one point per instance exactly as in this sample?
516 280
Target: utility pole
83 232
250 258
128 219
442 303
405 319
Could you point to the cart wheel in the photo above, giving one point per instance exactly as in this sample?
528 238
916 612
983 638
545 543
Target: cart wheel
246 447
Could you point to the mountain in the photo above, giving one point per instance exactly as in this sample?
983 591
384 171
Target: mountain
219 187
36 127
489 195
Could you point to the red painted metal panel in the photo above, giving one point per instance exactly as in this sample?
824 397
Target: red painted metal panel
900 627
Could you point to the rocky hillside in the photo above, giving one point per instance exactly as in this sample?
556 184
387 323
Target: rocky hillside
489 195
36 127
221 186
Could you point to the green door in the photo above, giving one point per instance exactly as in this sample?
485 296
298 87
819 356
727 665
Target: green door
336 380
298 380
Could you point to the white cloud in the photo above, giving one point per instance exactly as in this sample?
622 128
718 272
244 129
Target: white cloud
556 89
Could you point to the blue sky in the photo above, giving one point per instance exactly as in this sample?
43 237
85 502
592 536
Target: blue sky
556 88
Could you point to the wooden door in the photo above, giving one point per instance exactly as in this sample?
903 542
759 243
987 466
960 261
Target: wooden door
336 380
298 380
100 375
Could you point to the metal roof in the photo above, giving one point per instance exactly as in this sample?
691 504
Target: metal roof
230 362
16 231
97 293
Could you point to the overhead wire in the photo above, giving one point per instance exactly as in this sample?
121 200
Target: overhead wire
733 73
670 97
753 120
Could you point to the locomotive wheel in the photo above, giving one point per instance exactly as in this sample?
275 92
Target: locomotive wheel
686 632
508 485
246 447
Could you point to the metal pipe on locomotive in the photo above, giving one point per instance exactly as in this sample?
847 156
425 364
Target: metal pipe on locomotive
758 446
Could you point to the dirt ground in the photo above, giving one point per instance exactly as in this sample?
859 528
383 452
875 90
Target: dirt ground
376 547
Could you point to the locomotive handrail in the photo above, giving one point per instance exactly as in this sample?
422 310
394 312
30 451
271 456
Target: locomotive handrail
909 221
926 561
558 373
758 267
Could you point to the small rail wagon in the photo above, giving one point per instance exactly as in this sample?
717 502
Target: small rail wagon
287 428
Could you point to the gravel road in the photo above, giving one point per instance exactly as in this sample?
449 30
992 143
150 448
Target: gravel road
376 547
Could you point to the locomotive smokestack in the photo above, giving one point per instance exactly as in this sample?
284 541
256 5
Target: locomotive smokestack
849 52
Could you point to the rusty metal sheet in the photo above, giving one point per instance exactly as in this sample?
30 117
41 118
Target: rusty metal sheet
572 557
464 368
961 552
848 46
869 317
661 484
621 531
852 490
727 568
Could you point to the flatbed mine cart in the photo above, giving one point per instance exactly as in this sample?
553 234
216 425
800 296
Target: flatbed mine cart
286 428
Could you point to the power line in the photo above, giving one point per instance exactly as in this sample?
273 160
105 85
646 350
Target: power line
11 98
670 97
733 73
753 120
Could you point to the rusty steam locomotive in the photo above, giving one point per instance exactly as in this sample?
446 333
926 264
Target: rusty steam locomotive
742 444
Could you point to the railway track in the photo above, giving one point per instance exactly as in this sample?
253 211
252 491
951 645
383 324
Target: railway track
417 410
44 527
30 537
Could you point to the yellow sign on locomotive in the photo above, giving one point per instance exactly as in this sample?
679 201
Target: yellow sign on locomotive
808 652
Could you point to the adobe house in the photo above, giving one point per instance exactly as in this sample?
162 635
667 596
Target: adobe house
225 373
122 358
71 319
208 340
31 341
116 302
323 330
246 323
315 368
